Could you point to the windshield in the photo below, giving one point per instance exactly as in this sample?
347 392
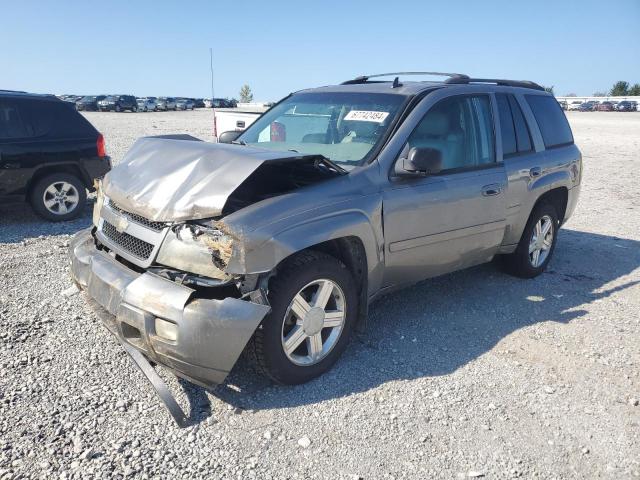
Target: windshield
344 127
88 98
112 98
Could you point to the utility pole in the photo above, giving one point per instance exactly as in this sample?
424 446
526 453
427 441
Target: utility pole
213 108
211 66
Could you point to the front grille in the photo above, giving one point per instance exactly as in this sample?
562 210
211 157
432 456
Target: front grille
130 244
134 217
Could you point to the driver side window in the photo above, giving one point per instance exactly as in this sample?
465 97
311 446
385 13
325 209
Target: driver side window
461 128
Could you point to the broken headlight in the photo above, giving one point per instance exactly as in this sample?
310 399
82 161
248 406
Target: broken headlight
197 249
99 202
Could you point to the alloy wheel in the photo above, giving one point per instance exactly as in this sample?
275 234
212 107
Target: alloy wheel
313 322
61 198
541 241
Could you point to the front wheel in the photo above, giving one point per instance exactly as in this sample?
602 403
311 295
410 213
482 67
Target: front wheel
537 243
313 310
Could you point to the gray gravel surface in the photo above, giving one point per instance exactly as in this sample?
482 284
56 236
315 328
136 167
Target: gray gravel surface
475 374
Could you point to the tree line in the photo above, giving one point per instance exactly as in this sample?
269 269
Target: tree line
619 89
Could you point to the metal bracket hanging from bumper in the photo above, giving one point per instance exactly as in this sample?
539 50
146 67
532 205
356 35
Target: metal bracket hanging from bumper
158 384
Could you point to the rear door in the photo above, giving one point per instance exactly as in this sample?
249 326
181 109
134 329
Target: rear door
456 218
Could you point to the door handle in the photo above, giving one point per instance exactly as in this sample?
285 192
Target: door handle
491 190
535 172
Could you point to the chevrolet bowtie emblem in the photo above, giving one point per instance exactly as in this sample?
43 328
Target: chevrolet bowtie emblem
121 224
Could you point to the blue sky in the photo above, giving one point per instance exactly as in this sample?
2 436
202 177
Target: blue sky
162 47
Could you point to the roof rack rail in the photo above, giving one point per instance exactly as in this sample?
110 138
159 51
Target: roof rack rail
463 80
365 78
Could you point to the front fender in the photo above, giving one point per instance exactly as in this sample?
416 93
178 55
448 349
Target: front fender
266 249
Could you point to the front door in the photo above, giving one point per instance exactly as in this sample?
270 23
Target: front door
453 219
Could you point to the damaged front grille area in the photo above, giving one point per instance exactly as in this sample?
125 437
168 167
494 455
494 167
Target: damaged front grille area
132 245
140 220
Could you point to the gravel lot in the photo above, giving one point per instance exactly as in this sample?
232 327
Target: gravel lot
475 374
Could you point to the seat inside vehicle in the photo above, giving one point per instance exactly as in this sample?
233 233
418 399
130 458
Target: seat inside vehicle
435 131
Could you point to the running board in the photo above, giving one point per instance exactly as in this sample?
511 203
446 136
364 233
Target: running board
158 384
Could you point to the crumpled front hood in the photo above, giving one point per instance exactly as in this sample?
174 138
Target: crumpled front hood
169 180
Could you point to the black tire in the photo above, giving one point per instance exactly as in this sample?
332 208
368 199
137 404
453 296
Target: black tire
519 263
38 193
297 272
117 108
134 109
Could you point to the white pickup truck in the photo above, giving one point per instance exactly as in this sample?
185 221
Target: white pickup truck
236 119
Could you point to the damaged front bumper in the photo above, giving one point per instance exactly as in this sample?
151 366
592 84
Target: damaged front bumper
199 339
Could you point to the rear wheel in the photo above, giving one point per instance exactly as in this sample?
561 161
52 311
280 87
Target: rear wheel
537 244
313 311
59 197
117 108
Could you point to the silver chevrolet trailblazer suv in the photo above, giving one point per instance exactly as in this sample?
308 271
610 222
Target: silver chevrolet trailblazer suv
278 238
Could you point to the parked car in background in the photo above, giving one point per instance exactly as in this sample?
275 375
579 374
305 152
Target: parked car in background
184 104
605 107
118 103
146 105
222 103
585 107
198 103
166 103
575 105
563 104
625 106
49 154
89 103
70 98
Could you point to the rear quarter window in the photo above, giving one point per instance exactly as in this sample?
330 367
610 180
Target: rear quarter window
58 120
551 120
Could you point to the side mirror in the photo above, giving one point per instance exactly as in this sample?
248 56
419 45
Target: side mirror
228 137
420 162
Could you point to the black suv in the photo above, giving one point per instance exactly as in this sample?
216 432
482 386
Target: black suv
89 103
49 154
118 103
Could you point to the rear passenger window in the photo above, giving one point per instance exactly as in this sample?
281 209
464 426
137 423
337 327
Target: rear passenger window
507 129
12 123
515 134
553 124
522 131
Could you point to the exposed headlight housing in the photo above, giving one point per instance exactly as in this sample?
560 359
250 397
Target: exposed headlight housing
197 249
99 202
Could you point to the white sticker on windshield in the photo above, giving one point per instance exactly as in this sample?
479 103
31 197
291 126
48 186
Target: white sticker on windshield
366 116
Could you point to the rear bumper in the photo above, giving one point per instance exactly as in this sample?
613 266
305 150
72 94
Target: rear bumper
209 334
